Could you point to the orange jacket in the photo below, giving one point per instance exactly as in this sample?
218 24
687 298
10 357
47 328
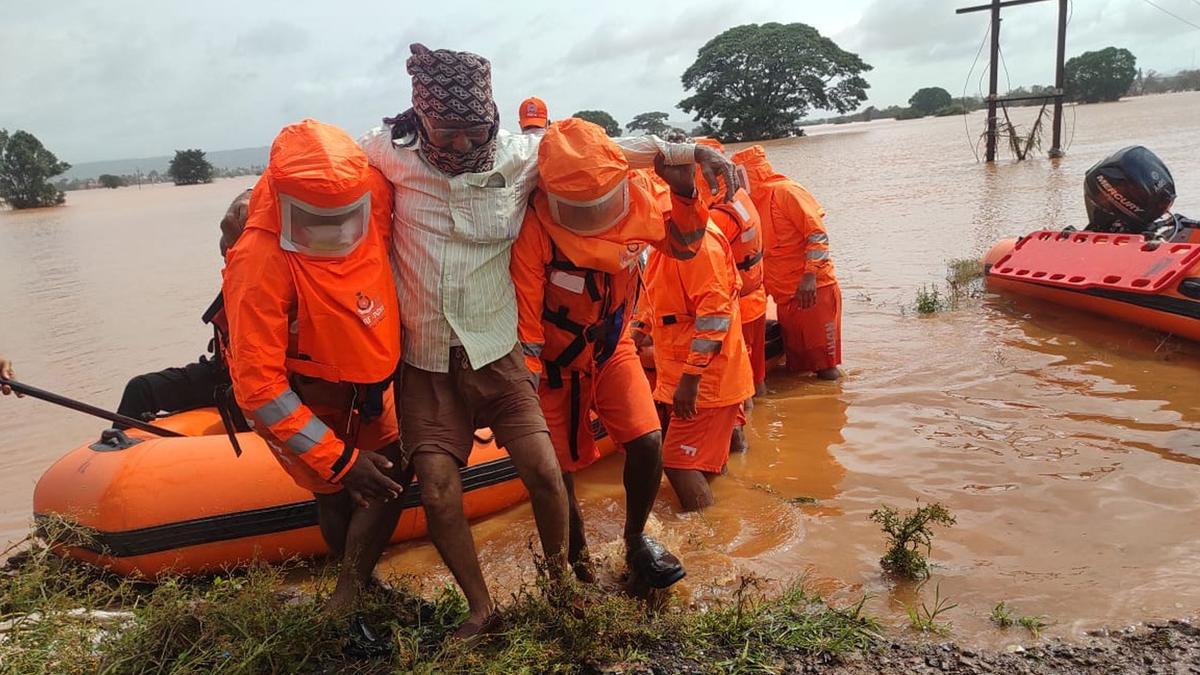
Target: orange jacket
795 242
336 319
695 322
575 294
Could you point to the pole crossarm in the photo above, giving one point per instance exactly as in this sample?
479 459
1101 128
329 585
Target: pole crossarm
1006 3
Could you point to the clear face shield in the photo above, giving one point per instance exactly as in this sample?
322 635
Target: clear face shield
323 232
595 216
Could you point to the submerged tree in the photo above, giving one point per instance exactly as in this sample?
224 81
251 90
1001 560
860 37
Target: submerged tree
1104 75
650 122
110 181
757 81
190 167
930 100
26 168
601 118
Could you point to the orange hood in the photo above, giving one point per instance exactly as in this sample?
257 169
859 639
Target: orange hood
314 162
758 169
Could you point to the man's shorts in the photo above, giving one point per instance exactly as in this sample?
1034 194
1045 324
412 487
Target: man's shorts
333 404
755 333
812 338
441 411
618 392
701 443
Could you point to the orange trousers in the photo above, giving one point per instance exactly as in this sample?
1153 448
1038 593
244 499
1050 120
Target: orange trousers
812 338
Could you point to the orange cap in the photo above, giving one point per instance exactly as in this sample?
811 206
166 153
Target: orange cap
578 161
533 113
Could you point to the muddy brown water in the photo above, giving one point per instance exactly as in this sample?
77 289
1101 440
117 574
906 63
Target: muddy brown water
1067 446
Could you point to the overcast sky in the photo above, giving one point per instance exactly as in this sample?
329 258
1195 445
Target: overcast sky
135 78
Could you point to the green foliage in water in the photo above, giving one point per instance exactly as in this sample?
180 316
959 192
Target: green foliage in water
930 300
926 617
26 168
190 167
60 616
910 537
110 181
929 100
757 81
1104 75
1002 615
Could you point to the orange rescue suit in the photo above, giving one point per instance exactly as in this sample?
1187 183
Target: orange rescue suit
576 293
332 318
690 308
795 242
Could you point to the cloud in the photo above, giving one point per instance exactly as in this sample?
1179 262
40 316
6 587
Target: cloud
272 39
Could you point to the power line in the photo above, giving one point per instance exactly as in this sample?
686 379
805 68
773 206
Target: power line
1169 12
966 126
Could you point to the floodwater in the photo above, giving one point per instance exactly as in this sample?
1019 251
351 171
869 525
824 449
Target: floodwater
1068 447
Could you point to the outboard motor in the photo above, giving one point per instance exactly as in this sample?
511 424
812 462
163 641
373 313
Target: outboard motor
1128 191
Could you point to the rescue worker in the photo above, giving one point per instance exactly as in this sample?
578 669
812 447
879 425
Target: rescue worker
703 376
198 384
533 115
315 338
462 185
739 221
798 272
7 373
576 268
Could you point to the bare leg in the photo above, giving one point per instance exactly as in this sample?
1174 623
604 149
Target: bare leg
760 389
333 518
533 456
368 534
441 494
691 486
576 539
642 477
737 440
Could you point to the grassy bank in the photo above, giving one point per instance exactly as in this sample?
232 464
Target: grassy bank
57 616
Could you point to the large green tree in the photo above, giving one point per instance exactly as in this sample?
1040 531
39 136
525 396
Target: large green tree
26 168
757 81
1104 75
110 181
651 123
601 118
930 100
190 167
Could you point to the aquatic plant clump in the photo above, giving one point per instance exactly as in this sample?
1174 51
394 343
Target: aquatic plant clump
910 537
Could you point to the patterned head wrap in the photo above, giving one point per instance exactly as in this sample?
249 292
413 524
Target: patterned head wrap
453 86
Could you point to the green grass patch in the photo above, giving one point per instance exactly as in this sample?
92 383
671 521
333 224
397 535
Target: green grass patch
927 617
61 616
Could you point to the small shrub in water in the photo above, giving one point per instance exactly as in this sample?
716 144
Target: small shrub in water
1034 624
908 534
1001 615
929 300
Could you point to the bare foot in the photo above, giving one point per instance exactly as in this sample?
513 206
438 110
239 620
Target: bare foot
829 374
477 626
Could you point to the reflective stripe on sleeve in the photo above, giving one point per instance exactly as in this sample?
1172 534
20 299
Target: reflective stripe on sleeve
705 346
278 409
820 254
533 349
818 238
712 322
308 437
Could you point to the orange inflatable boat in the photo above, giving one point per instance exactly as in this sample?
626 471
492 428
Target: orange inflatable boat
189 505
1155 284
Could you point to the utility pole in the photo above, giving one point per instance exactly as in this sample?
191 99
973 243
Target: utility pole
994 98
1060 73
993 82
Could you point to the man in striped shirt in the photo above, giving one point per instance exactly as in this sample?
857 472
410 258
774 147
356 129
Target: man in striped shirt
462 186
